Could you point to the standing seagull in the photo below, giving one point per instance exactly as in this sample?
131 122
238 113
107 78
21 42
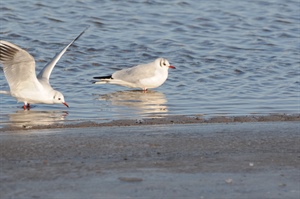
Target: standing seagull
142 76
25 86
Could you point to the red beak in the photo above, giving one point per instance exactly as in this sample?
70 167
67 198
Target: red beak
64 103
172 67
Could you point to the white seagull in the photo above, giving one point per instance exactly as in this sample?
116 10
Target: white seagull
25 86
143 76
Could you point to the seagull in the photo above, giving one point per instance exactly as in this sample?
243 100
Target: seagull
25 86
144 76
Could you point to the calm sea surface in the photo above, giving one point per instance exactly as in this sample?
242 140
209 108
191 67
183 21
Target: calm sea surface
232 57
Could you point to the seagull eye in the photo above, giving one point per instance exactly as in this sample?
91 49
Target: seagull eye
162 63
59 98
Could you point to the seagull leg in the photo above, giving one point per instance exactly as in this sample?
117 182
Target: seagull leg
26 106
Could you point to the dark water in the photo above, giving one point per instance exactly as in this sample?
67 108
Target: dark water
232 57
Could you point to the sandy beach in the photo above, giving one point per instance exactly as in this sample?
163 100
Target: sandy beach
220 159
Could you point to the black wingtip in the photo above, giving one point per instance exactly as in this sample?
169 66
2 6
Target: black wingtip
103 77
81 33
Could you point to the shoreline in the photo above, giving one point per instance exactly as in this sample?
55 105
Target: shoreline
175 119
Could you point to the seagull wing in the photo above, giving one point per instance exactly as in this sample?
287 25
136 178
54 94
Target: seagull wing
18 65
135 73
46 72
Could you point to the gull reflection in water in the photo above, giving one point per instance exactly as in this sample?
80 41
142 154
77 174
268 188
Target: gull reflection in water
150 102
27 119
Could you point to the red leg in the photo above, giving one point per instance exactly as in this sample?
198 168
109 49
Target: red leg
26 106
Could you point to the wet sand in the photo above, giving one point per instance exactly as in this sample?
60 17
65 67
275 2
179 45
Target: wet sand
200 160
32 123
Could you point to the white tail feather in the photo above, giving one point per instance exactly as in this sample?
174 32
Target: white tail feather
101 82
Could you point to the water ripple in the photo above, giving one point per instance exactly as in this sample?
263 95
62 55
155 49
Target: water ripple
232 57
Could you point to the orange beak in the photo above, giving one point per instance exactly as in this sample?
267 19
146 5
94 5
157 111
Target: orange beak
64 103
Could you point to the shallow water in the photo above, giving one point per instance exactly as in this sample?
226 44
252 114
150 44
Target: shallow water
232 57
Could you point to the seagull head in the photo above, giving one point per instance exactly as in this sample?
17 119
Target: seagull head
58 98
164 63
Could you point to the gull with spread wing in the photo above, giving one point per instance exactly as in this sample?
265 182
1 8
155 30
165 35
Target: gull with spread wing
25 86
